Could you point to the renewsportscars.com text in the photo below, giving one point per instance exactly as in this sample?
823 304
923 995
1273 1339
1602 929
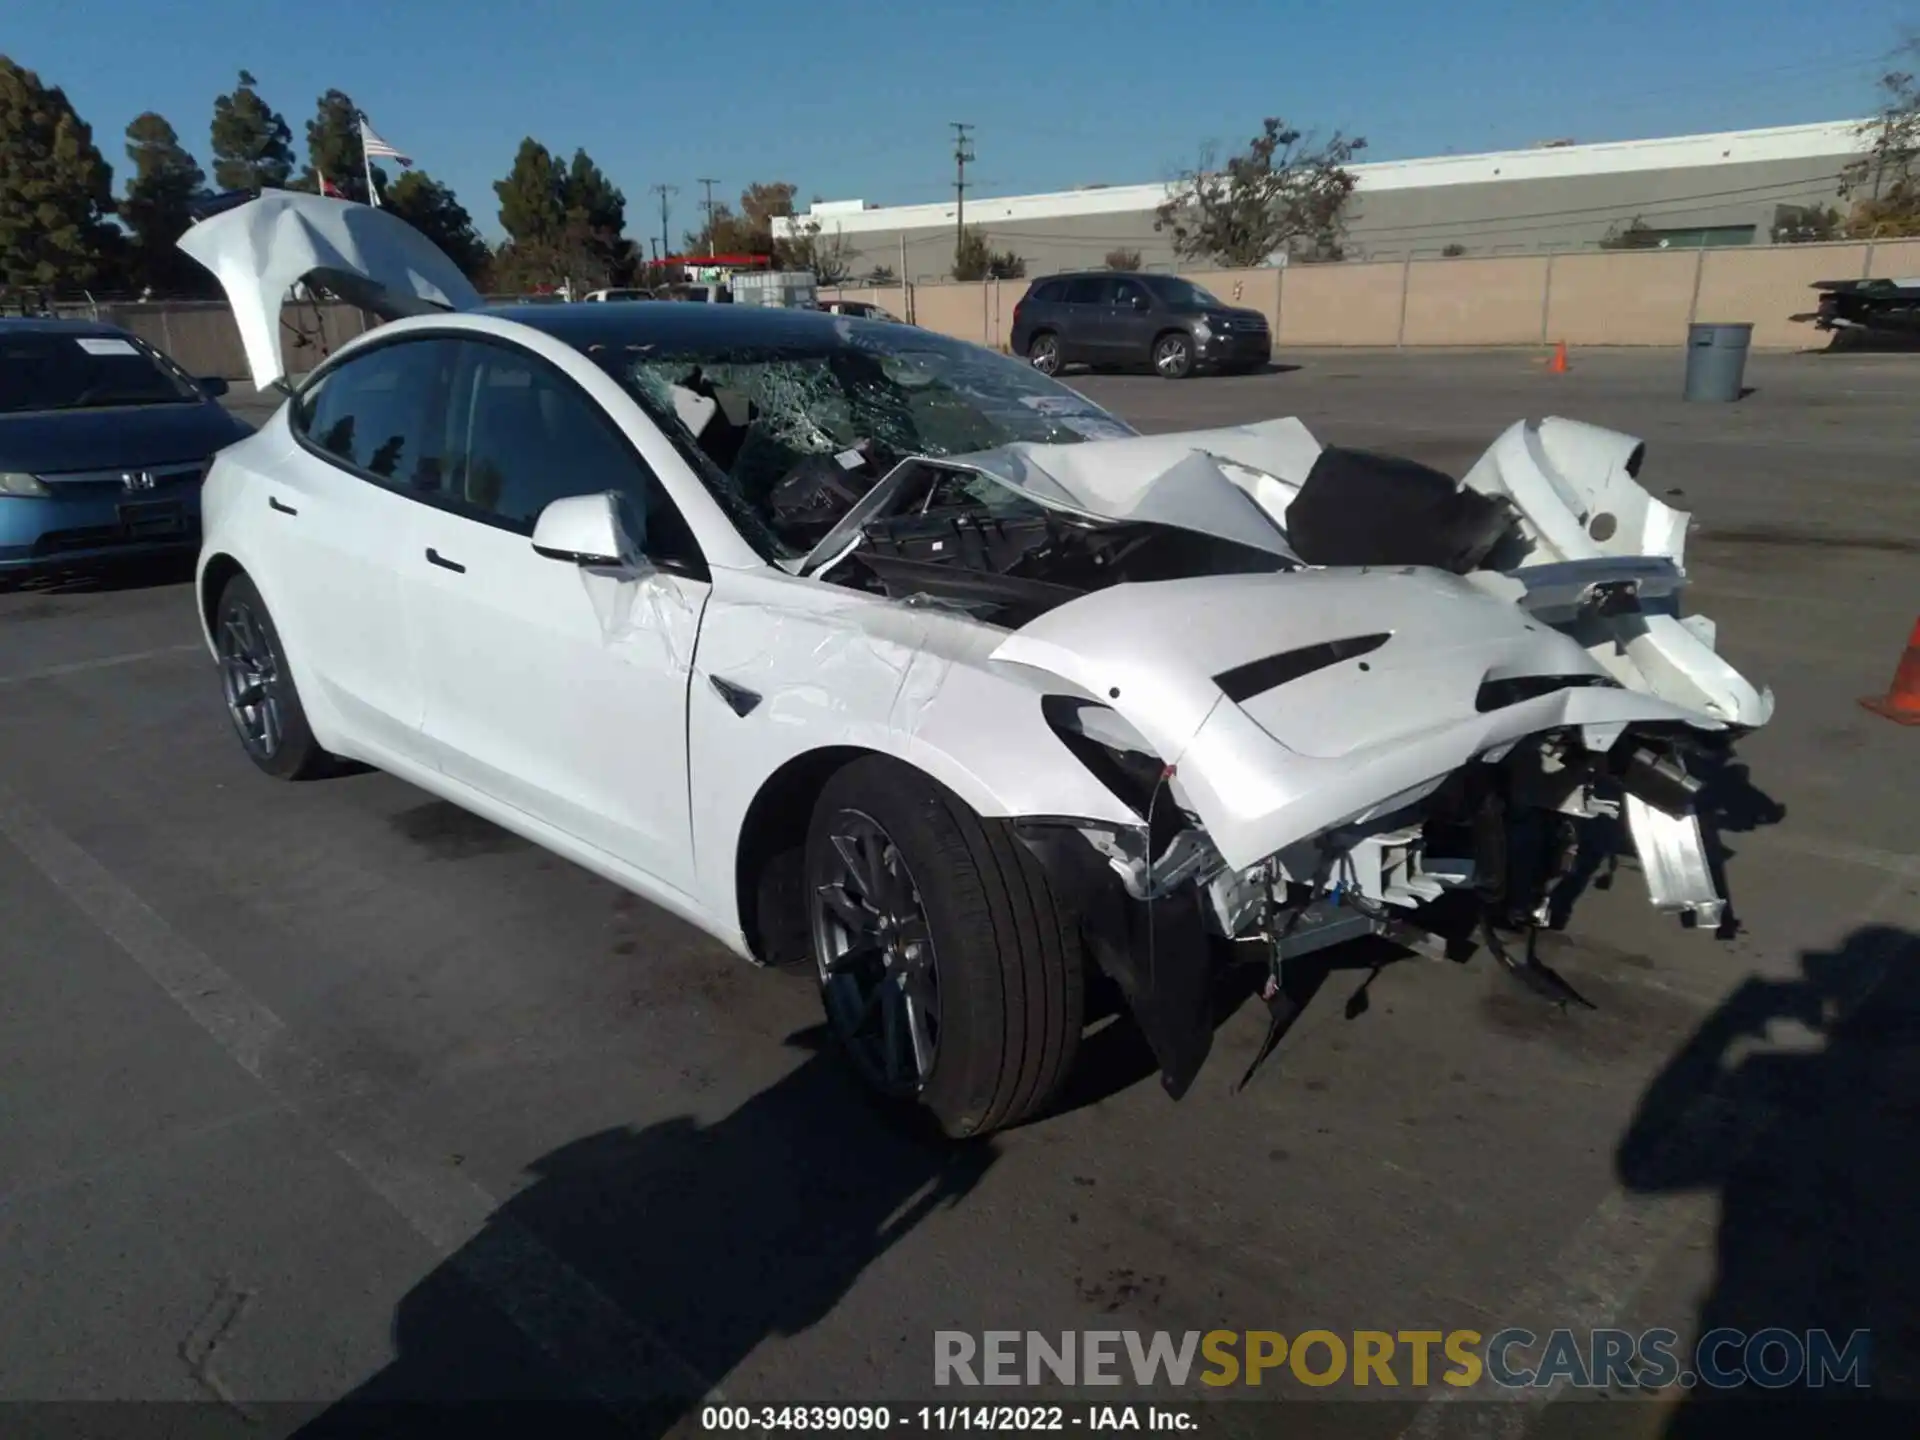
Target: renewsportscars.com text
1510 1358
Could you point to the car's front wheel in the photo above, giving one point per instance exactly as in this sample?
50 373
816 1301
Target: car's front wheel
1044 353
1173 355
258 687
949 973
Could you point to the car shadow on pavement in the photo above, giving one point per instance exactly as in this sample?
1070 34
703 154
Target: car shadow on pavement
1797 1101
700 1241
144 573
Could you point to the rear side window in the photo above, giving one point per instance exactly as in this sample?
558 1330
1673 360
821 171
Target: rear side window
1085 291
1048 292
384 413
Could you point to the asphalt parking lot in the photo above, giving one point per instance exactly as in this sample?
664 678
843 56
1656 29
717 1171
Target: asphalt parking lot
319 1091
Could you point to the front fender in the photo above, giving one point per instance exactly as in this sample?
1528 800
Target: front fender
785 668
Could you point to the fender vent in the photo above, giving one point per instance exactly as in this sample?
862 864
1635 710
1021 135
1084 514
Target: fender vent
1499 694
1256 677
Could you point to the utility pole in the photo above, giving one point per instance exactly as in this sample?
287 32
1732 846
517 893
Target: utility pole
709 183
663 191
961 155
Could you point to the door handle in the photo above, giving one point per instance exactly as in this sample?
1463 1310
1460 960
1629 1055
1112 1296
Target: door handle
275 504
434 557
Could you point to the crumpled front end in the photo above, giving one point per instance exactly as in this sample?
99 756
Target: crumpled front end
1338 693
1321 755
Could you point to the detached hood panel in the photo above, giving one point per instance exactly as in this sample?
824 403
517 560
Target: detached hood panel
258 251
1284 762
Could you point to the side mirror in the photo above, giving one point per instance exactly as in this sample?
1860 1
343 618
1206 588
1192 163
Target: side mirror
1141 302
589 530
214 385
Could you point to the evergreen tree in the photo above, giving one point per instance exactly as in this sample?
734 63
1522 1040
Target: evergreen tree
431 208
55 190
157 205
334 150
252 146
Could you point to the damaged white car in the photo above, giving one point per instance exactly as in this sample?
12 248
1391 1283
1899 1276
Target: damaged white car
867 649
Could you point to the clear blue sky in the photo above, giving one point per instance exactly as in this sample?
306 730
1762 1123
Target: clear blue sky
852 97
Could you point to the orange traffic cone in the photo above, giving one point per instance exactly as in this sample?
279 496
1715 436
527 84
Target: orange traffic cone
1558 365
1902 700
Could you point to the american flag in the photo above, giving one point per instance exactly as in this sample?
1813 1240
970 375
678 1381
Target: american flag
374 145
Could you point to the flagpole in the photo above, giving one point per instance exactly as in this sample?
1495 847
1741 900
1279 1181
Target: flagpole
373 195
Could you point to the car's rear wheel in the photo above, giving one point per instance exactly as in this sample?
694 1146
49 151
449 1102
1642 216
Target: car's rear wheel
949 974
262 700
1043 353
1173 355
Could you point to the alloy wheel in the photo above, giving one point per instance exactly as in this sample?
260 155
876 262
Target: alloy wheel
1045 355
1171 356
875 951
250 676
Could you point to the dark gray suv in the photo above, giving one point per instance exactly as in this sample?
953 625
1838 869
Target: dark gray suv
1107 317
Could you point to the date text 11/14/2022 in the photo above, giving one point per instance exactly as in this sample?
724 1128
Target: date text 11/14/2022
881 1419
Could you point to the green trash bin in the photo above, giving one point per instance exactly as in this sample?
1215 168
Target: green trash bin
1716 360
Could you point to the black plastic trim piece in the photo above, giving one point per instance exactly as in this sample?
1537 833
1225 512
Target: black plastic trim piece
1499 694
1256 677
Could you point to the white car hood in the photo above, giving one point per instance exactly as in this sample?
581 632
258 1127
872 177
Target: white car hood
1582 524
258 251
1348 739
1229 483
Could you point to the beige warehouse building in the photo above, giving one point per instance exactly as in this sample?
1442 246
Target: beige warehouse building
1731 188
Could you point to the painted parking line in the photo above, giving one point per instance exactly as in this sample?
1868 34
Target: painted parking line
104 662
583 1331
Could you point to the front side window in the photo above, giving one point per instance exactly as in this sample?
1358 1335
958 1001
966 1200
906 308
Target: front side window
1184 293
386 413
532 436
487 431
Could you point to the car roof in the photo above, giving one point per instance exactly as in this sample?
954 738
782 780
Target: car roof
53 325
1106 275
666 323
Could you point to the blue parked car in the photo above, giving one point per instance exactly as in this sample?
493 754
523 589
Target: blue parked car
103 442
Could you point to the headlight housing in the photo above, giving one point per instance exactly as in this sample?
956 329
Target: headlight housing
22 485
1202 330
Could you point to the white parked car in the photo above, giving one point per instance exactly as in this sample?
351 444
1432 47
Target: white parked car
864 648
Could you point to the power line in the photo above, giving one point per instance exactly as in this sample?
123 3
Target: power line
709 183
962 153
663 191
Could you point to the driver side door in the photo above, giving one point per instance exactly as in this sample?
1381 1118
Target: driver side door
553 688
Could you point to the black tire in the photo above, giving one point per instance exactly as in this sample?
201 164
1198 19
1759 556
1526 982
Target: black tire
1044 352
1172 355
262 701
1005 960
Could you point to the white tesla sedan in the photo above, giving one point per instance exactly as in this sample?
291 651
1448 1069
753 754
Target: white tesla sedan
865 648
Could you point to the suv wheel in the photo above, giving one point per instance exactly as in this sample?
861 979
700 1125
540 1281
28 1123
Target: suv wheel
1173 355
1043 353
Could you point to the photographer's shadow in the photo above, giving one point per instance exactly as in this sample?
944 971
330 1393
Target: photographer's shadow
1813 1141
640 1267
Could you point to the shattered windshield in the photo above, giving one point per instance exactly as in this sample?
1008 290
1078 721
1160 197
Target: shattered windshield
806 427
